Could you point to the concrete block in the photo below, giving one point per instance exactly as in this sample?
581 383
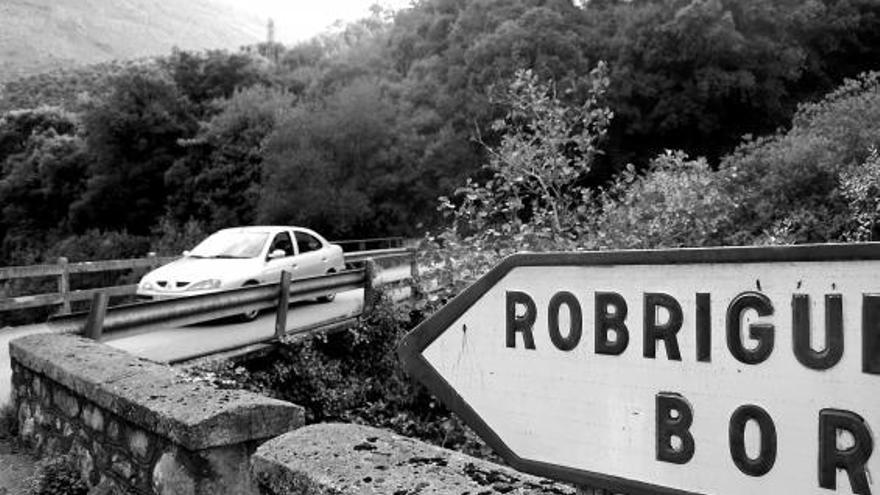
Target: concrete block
344 459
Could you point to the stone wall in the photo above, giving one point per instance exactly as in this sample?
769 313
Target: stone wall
135 426
344 459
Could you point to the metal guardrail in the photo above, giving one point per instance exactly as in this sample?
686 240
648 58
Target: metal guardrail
203 307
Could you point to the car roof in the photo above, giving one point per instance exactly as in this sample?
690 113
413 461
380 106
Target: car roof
268 229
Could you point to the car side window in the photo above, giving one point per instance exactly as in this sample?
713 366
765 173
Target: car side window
307 242
282 241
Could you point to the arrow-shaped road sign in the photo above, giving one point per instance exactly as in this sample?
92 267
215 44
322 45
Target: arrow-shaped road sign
711 371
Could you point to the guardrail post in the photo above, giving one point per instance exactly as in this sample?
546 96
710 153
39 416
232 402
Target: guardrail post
283 302
95 322
64 285
371 269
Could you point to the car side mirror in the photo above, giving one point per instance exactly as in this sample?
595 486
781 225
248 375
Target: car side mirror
278 253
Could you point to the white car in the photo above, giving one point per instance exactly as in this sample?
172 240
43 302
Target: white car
243 256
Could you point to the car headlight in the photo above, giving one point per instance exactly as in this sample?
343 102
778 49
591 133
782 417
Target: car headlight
212 283
146 285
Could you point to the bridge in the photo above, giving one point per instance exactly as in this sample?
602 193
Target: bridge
178 330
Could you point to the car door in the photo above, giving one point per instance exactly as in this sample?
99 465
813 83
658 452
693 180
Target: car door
273 267
311 258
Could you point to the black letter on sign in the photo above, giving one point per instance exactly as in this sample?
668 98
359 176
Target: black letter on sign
871 334
762 464
853 459
704 327
522 323
678 426
610 321
575 316
762 332
654 331
800 317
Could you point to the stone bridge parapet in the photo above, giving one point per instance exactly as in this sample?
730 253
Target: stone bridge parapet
135 426
347 459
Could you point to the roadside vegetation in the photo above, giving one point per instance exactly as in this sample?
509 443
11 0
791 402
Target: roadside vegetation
357 132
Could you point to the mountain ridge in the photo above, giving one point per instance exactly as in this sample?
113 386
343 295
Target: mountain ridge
43 35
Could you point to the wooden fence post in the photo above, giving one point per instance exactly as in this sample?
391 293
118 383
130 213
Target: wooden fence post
95 322
370 295
64 285
283 302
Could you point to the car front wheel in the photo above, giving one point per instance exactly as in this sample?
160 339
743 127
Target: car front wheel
249 315
328 297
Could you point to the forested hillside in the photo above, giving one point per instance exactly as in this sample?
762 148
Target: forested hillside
41 35
359 131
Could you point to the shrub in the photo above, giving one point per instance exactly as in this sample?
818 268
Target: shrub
677 202
861 188
354 376
534 200
171 238
57 476
791 180
96 244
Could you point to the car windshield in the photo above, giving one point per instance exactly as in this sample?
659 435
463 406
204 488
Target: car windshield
231 244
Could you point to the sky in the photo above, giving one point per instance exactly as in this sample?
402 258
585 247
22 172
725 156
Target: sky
296 20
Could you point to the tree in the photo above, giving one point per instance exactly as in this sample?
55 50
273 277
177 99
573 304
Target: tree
133 138
215 74
42 169
534 200
218 181
546 147
342 165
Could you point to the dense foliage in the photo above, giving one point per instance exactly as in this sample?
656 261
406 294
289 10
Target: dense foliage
358 131
353 376
816 182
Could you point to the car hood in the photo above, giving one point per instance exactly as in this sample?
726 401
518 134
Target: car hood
190 269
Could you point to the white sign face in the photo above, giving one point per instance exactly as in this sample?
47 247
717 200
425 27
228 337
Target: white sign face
724 377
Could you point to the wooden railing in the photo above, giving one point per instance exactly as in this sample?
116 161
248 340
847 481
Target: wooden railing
370 244
62 271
